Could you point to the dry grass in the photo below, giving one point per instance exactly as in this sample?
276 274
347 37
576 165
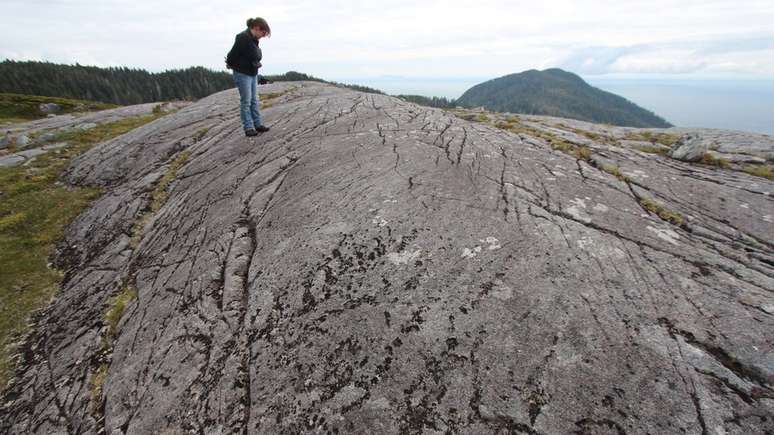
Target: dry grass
95 389
117 306
649 136
653 150
615 171
765 171
664 213
158 197
709 159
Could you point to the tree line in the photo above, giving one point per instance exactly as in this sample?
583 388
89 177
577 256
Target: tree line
124 86
116 85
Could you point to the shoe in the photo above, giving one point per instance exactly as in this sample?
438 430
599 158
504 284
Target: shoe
261 128
250 132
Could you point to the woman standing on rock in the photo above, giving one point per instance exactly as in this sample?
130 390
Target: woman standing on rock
245 59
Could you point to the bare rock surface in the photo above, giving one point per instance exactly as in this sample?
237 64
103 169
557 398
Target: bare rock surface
373 266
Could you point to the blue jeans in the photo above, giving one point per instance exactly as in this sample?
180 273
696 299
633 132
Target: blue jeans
248 100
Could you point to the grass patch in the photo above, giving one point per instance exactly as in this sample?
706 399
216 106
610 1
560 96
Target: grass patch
267 99
18 107
709 159
34 210
653 149
765 171
117 306
200 134
615 171
664 213
95 389
514 126
652 137
596 137
158 197
482 117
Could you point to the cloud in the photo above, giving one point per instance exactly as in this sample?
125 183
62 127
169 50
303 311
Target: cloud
403 37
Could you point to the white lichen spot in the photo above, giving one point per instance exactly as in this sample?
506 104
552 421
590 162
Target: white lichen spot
665 234
378 220
602 208
578 210
502 292
767 218
492 242
470 253
403 257
585 242
636 174
599 250
391 201
744 205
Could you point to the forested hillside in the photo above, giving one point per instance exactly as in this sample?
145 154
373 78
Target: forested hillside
117 85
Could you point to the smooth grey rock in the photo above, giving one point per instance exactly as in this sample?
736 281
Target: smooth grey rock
46 137
4 142
85 126
690 148
22 141
373 266
50 108
26 156
11 160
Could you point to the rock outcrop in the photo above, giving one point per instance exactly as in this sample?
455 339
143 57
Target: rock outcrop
690 149
34 137
373 266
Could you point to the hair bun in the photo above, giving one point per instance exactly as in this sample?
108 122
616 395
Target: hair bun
250 22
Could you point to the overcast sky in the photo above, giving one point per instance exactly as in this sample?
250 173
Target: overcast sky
471 38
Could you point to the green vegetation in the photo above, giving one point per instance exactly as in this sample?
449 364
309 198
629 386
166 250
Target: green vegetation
440 102
664 213
110 85
653 149
765 171
649 136
117 306
267 99
614 171
591 135
34 210
17 107
557 93
513 125
95 389
709 159
200 134
482 117
158 197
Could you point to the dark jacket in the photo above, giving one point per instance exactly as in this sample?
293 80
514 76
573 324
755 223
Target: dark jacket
245 56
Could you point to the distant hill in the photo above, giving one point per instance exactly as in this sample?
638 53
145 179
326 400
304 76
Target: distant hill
555 92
